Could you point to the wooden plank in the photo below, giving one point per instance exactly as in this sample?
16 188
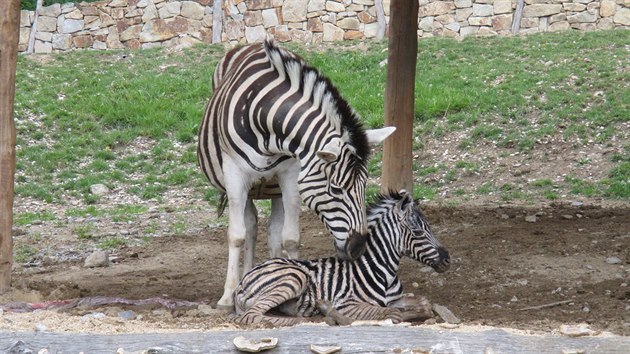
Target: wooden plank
399 95
298 339
9 34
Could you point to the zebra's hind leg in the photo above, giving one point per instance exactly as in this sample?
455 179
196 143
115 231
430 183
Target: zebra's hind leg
363 311
268 288
331 316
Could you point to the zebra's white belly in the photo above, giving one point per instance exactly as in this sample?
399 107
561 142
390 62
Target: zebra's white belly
263 176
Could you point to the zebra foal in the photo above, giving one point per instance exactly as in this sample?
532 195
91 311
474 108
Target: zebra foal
276 129
366 289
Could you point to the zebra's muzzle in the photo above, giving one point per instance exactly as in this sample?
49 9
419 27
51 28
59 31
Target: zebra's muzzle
355 246
444 261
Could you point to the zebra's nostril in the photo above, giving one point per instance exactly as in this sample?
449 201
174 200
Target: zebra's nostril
443 254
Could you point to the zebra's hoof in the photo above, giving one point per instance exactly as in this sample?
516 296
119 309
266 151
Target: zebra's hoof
225 308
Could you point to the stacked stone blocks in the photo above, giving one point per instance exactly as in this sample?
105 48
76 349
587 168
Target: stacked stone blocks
151 23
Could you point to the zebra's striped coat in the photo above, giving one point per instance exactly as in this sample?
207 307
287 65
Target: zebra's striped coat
275 128
364 289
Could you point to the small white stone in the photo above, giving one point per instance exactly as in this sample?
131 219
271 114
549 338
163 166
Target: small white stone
577 331
254 346
325 349
97 259
613 260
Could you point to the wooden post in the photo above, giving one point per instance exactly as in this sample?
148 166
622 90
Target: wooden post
399 95
518 14
217 21
9 34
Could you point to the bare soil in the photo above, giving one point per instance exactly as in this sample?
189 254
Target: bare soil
501 265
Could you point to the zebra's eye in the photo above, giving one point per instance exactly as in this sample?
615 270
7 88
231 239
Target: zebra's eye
336 190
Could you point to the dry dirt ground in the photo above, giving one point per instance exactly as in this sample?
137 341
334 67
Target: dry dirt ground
502 263
506 255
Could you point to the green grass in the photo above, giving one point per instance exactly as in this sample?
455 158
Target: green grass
84 232
129 119
24 253
27 218
112 243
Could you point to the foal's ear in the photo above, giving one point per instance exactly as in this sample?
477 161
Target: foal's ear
405 201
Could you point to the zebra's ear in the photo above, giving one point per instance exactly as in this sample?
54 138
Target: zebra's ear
330 151
377 136
405 201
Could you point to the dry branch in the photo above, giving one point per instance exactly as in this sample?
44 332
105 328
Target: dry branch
553 304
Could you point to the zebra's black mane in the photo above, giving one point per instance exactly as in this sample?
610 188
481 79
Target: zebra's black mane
350 120
388 198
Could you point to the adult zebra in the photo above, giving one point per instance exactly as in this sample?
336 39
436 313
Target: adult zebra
366 289
276 129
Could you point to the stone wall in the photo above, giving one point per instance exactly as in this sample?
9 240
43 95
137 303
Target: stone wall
150 23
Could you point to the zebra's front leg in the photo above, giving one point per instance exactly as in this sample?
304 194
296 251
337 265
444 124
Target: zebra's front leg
274 228
291 206
236 189
251 233
416 308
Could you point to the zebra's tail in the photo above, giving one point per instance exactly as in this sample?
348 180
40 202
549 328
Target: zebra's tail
223 201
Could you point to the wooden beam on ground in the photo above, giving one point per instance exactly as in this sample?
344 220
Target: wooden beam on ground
296 340
9 34
399 95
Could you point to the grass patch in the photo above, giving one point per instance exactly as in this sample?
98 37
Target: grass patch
84 232
24 253
112 243
27 218
129 119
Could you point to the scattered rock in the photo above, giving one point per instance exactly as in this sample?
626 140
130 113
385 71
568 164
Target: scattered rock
567 217
613 260
573 351
577 331
127 315
577 204
530 218
40 327
97 259
99 190
448 325
88 316
446 314
325 349
254 346
20 347
367 323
